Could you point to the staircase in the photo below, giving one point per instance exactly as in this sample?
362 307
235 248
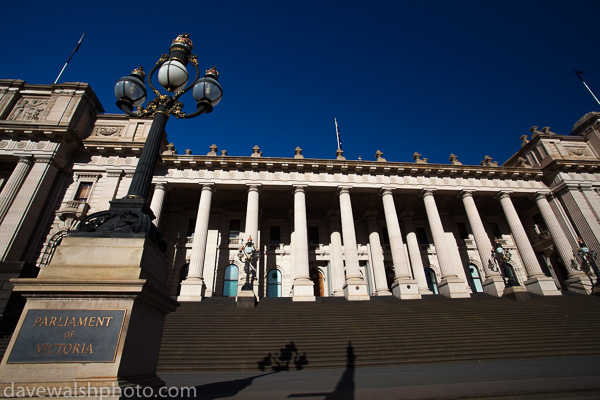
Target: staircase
279 334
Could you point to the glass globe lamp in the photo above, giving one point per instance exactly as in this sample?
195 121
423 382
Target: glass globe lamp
173 75
130 90
207 89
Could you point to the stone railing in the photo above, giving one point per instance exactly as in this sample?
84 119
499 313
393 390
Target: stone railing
73 209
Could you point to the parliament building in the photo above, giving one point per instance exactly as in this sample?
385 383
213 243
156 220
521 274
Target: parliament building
320 227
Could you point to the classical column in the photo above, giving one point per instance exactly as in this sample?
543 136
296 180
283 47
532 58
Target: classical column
538 282
251 229
381 286
493 284
451 285
337 254
192 288
158 199
582 215
577 281
355 287
414 252
14 183
592 198
404 286
28 204
303 286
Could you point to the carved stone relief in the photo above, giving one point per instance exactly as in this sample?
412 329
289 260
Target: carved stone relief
28 110
577 151
107 131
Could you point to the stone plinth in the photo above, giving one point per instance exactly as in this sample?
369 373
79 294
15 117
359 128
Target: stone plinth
246 299
454 288
93 318
356 290
494 285
517 293
542 285
406 289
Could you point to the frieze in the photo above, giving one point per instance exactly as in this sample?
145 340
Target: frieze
107 131
29 109
113 160
577 151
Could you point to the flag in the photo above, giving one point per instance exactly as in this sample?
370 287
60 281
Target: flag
337 133
579 74
71 56
76 48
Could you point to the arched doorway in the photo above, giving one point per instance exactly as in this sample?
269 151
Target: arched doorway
431 280
230 281
319 282
474 279
509 275
274 283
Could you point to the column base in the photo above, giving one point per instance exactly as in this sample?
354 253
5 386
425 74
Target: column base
578 283
191 290
382 292
454 288
303 290
542 285
338 293
494 285
406 289
356 290
517 293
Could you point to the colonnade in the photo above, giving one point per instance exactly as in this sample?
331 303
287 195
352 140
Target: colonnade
409 283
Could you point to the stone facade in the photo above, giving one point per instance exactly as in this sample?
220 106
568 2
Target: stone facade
323 227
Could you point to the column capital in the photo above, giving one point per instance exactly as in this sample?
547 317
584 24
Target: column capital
114 172
333 214
300 188
253 187
386 190
161 185
26 160
585 186
370 214
542 195
344 189
466 193
504 194
427 192
407 215
208 186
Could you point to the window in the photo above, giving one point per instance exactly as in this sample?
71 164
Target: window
462 230
84 191
385 235
431 280
234 231
313 235
422 236
495 230
191 227
275 234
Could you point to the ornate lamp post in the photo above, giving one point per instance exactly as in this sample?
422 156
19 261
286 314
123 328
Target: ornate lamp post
131 216
502 257
248 254
589 258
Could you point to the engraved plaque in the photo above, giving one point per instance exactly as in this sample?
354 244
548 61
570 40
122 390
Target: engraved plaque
51 336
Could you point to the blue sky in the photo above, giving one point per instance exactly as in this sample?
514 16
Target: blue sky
436 77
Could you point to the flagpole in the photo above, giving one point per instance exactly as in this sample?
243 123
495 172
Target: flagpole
592 93
580 76
337 134
69 59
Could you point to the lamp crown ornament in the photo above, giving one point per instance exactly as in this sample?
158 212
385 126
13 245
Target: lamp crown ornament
183 41
213 72
139 71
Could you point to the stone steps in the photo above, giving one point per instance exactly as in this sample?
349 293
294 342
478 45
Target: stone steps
216 335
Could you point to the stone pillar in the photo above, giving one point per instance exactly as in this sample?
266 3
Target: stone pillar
583 217
537 281
414 252
576 281
493 284
192 288
158 199
404 286
20 220
592 198
451 285
377 257
251 229
355 287
337 254
14 183
303 285
252 213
